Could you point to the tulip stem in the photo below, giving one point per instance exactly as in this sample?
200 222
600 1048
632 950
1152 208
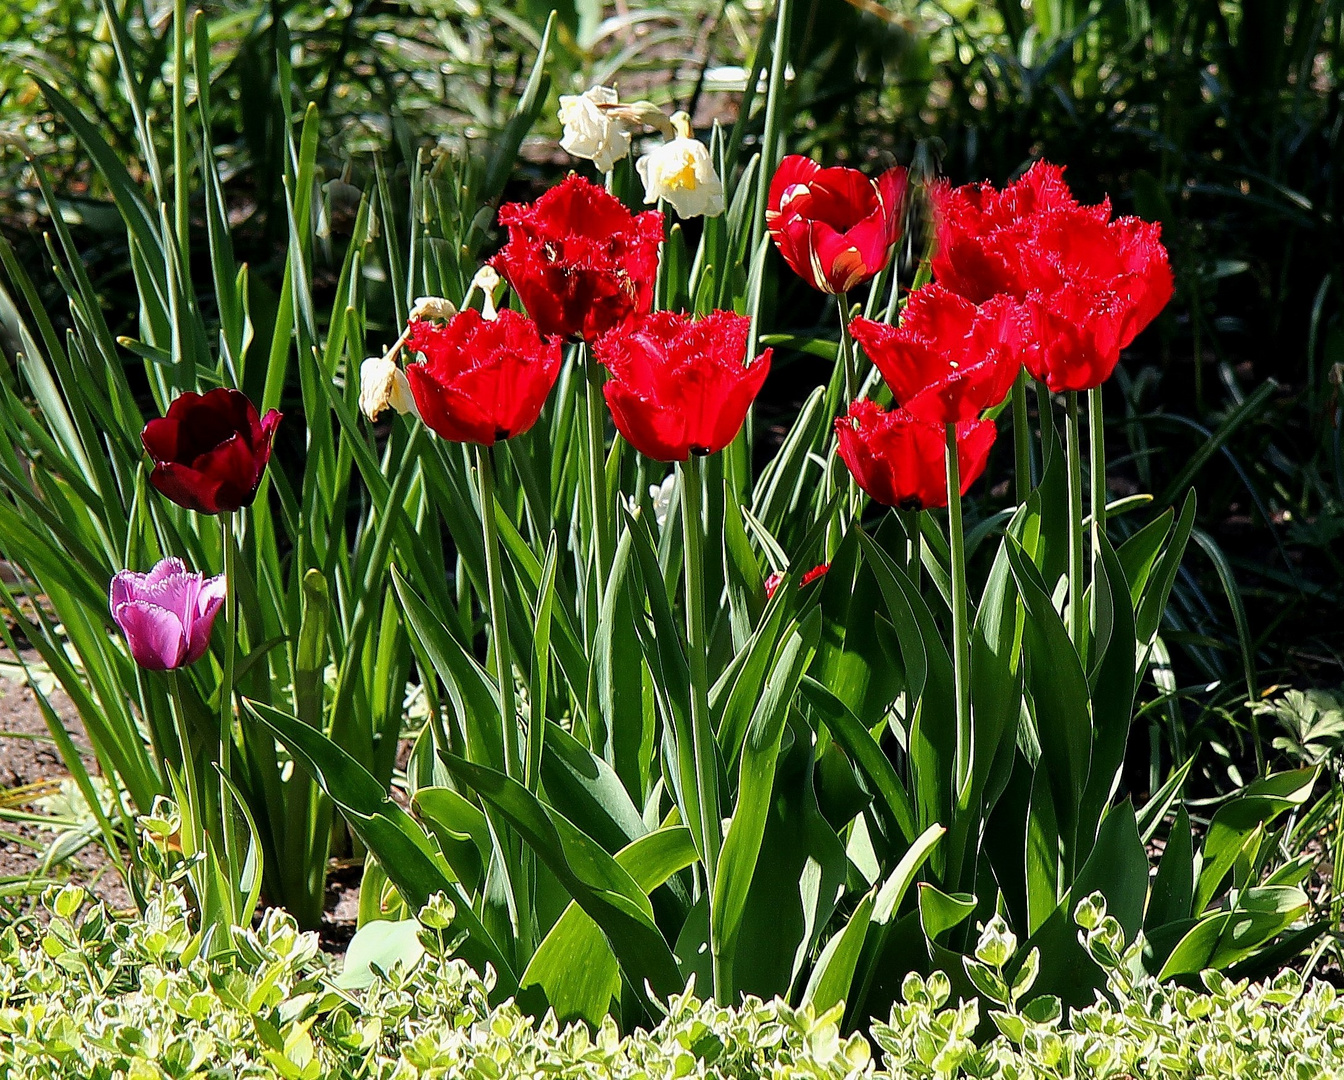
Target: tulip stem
706 778
227 540
1096 444
1021 438
847 357
1075 470
597 469
910 522
499 643
961 657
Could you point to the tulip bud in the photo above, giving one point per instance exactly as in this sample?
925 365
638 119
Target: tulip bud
681 172
382 385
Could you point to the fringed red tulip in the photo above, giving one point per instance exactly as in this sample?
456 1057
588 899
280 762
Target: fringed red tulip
898 458
678 386
580 262
1090 283
835 227
949 360
210 450
482 380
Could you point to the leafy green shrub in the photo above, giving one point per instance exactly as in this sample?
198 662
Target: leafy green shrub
90 996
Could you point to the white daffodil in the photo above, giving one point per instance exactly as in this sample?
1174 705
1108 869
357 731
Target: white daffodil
680 172
661 494
591 131
383 385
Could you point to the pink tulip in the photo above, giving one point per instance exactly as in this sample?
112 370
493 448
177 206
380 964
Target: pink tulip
167 614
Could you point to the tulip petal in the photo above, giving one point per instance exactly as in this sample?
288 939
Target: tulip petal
155 635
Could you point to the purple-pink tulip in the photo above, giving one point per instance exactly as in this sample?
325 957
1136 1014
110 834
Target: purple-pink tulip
166 614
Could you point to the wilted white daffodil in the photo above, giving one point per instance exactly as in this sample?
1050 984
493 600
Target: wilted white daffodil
488 282
383 385
680 172
590 130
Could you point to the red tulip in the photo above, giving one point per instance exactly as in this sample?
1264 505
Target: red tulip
983 236
579 260
773 581
210 450
482 379
1091 284
835 227
948 360
679 386
898 459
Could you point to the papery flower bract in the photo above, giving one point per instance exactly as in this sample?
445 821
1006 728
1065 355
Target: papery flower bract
949 360
679 386
482 380
899 459
835 227
382 386
773 580
680 172
579 260
590 131
210 450
166 614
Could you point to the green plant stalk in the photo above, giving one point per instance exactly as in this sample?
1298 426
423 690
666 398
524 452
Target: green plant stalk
910 522
1076 624
1021 439
691 477
499 641
961 656
1096 445
779 60
230 557
195 814
597 469
848 358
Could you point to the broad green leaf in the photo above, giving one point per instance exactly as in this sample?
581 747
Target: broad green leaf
1060 702
756 778
858 742
592 877
574 970
402 846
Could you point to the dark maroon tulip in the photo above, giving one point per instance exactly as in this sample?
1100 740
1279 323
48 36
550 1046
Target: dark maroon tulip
210 450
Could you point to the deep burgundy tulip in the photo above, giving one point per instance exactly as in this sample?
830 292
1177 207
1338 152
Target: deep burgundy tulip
579 260
166 614
949 360
482 379
835 227
210 450
899 459
679 386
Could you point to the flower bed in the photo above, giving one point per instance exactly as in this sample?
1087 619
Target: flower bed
88 996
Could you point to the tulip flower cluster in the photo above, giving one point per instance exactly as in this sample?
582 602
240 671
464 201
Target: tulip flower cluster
584 267
1024 278
209 452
